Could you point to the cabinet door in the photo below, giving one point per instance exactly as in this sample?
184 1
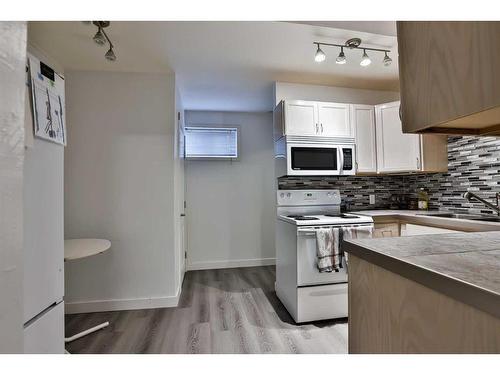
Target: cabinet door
382 230
301 118
363 119
334 120
396 152
278 125
449 75
416 230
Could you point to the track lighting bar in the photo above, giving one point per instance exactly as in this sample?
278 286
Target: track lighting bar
354 43
351 47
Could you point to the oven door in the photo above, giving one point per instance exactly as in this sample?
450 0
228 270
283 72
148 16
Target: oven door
307 269
311 159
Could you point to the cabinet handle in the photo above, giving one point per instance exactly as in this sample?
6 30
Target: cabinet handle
400 113
321 128
418 163
317 129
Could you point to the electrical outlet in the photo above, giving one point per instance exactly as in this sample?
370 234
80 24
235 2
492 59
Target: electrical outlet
372 198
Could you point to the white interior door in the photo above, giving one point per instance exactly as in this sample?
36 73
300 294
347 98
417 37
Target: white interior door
334 120
182 197
363 119
396 151
301 118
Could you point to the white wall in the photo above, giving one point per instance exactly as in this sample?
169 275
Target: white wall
231 205
12 78
284 91
119 185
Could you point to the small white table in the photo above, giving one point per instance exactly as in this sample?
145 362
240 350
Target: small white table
83 248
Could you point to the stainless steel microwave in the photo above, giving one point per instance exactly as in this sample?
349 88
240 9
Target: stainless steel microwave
320 159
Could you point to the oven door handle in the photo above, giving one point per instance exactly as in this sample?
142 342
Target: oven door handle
306 232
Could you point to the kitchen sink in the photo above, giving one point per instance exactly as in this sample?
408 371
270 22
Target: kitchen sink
464 216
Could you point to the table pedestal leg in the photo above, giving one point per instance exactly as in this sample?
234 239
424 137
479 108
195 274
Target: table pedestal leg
86 332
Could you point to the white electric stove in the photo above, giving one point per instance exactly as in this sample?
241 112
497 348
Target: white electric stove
308 294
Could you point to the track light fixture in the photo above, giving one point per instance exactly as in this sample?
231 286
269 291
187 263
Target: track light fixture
387 60
110 55
341 57
353 43
101 38
365 59
320 55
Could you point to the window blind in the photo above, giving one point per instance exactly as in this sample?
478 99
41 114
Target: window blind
211 142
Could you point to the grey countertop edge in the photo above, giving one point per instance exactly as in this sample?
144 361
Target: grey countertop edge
470 294
420 218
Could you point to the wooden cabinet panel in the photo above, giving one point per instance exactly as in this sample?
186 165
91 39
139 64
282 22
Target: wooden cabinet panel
450 76
417 230
334 120
301 118
363 120
396 152
392 314
381 230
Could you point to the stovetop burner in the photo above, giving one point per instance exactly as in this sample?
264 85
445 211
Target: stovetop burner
301 217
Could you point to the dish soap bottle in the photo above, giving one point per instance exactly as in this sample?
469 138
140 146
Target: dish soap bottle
423 199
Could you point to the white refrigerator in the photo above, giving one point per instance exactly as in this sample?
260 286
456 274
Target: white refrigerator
43 249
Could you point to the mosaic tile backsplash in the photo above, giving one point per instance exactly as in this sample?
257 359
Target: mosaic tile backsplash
473 163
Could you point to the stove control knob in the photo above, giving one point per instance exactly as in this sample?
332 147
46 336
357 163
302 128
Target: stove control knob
329 195
288 195
282 195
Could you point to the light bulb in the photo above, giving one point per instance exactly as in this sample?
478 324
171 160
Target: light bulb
99 37
365 60
320 55
387 60
341 57
110 55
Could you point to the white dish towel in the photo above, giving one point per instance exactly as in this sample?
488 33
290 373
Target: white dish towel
327 249
349 233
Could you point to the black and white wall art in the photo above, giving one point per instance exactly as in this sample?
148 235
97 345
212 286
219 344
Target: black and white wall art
47 93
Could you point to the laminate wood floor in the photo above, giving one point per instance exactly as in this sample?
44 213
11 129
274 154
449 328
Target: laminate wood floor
220 311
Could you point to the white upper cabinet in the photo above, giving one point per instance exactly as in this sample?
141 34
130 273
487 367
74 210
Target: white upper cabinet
381 145
301 118
334 120
363 120
321 119
396 152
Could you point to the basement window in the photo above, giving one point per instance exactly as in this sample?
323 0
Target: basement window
212 142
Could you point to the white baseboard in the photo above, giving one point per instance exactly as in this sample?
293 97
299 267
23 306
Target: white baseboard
121 304
212 265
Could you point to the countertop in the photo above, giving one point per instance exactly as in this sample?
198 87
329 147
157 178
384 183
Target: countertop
464 266
417 217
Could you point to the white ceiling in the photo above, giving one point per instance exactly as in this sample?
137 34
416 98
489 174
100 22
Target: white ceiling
226 65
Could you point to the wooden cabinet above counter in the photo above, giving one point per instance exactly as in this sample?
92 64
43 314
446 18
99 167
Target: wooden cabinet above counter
449 76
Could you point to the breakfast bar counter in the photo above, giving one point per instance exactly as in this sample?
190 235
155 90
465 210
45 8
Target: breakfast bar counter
425 294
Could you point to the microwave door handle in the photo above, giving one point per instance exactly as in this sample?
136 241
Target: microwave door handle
341 159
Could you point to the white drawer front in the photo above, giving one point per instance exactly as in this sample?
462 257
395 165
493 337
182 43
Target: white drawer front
322 302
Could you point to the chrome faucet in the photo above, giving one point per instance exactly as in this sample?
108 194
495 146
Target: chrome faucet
470 196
